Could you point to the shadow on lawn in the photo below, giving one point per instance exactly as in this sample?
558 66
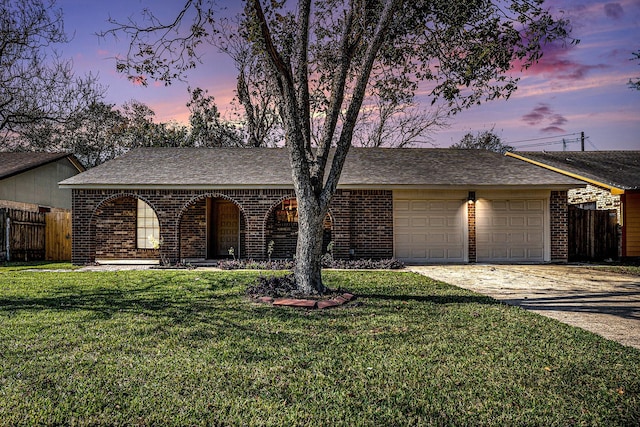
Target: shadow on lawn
621 303
433 299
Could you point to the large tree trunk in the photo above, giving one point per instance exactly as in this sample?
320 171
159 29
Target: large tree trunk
308 269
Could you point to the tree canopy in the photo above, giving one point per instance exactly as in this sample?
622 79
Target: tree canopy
635 83
326 59
485 140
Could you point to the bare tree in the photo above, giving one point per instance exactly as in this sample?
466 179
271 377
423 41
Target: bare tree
635 83
35 83
253 92
391 124
322 56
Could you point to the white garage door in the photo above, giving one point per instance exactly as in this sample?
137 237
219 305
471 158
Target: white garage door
429 230
510 230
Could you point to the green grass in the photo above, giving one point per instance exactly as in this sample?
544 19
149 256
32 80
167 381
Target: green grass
37 265
633 270
186 348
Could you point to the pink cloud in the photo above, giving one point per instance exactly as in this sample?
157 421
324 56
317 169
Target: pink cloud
557 63
543 115
613 10
552 129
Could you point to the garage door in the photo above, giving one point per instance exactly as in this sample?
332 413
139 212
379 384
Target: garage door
429 230
510 230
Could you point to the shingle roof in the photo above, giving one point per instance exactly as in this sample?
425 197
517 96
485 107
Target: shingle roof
619 169
12 163
269 167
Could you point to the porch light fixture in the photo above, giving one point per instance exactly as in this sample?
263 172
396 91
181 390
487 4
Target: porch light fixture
471 198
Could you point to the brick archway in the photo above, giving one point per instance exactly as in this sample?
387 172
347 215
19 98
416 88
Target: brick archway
113 228
283 231
196 228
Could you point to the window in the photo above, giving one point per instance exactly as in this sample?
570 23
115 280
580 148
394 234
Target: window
148 227
288 211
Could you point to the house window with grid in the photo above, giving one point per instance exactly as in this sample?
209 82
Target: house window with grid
148 227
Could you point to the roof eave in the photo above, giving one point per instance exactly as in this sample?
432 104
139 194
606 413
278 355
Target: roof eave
613 189
555 187
41 163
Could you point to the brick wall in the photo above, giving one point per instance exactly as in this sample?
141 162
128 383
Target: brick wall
193 230
362 224
471 215
361 219
115 225
559 227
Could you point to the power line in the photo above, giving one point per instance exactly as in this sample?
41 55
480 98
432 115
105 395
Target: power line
546 143
542 138
564 142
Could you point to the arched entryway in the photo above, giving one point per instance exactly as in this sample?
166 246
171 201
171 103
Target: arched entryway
212 227
125 227
281 228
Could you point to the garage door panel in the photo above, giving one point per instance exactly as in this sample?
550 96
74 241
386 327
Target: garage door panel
518 253
535 206
535 221
517 206
499 221
510 230
436 228
535 253
402 222
418 222
401 205
455 254
535 238
517 238
402 239
517 221
419 238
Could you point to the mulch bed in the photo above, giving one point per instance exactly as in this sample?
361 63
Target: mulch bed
283 292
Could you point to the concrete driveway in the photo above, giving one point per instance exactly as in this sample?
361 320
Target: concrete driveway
604 303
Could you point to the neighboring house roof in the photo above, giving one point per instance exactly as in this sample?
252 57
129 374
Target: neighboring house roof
13 163
617 171
269 168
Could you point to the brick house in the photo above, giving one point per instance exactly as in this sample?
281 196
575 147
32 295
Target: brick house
418 205
613 182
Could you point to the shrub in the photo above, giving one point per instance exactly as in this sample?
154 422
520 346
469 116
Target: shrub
274 287
363 264
327 262
250 264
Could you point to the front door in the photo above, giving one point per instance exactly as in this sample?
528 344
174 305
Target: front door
224 227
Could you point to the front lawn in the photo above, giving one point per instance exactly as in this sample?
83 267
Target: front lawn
182 348
633 270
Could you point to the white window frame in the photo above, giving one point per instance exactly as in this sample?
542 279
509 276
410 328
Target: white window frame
147 227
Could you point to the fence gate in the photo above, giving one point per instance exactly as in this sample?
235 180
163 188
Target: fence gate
58 236
593 234
26 233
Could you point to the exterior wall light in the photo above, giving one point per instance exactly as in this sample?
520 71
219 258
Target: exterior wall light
471 198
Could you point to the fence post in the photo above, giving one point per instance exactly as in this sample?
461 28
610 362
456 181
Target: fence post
8 238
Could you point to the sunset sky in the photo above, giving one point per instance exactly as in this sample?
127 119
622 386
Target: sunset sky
573 89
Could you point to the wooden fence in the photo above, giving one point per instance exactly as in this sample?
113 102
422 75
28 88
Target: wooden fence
58 236
35 236
593 235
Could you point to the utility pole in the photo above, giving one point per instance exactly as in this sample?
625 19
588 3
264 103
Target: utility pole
582 141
